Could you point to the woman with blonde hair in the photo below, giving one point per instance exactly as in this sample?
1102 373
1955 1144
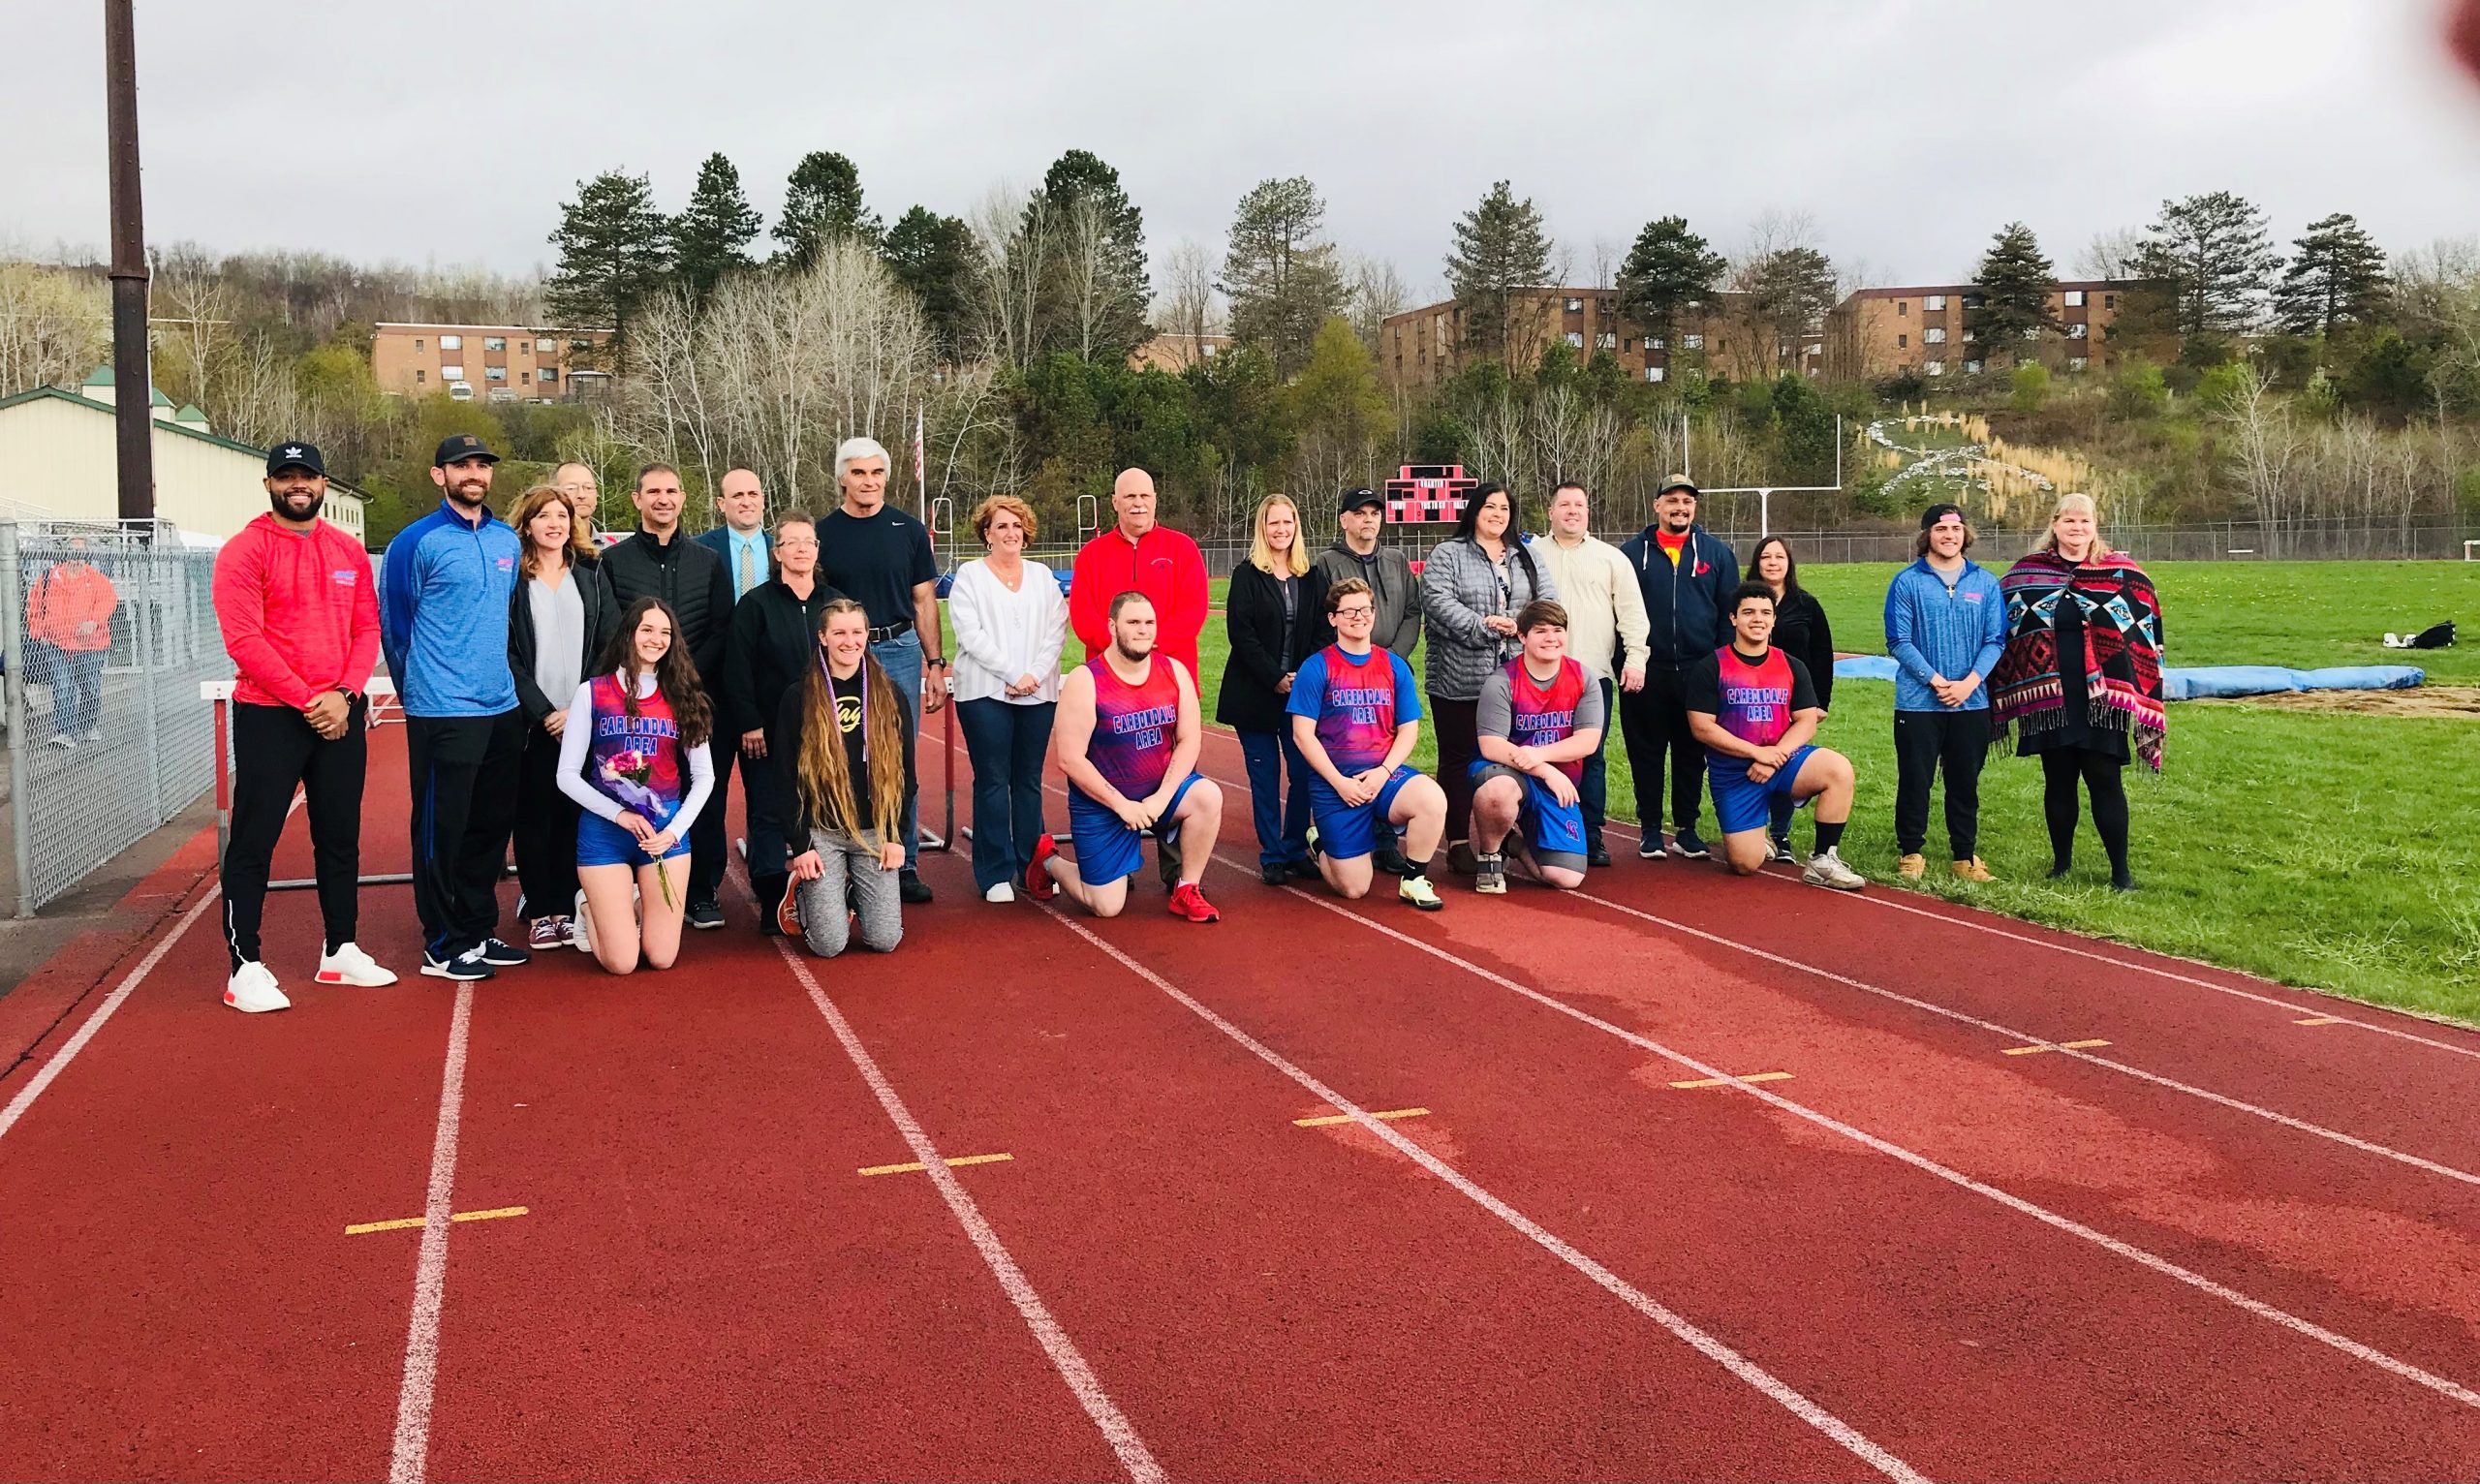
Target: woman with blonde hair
559 618
2080 678
1275 616
1012 621
842 742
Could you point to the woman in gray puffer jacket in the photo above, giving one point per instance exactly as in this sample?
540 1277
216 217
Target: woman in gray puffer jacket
1472 586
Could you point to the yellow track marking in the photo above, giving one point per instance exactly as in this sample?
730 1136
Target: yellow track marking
2046 1046
906 1169
404 1222
1333 1119
1755 1076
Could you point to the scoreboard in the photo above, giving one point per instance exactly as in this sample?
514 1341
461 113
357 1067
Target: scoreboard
1427 493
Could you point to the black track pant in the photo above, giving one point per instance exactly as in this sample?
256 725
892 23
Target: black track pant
2103 776
1926 741
1456 724
274 749
464 773
1655 722
709 834
547 829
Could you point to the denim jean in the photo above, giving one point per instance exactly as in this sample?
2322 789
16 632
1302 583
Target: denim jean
1282 814
1592 790
1006 742
901 657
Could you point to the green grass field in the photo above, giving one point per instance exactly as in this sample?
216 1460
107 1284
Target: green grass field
2339 852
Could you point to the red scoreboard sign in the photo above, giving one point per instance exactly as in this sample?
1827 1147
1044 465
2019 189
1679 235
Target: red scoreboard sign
1427 493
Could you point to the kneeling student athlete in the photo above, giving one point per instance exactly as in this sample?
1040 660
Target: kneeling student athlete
841 754
1541 715
1355 715
1754 708
1129 737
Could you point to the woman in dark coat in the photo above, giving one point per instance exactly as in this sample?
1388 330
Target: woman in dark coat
560 586
1275 615
1800 631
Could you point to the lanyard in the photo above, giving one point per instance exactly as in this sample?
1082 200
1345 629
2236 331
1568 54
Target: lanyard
862 675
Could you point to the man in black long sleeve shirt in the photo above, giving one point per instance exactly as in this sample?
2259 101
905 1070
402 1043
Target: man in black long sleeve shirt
659 561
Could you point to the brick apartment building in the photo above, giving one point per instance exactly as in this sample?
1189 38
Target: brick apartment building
1419 346
1177 351
486 363
1935 330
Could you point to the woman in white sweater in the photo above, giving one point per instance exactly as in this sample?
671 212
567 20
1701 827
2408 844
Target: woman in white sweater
1011 623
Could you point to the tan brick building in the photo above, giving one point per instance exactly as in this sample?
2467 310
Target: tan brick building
486 363
1722 337
1935 329
1170 352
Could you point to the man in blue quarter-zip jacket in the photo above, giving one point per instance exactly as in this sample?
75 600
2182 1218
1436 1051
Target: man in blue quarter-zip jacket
1686 577
443 622
1945 627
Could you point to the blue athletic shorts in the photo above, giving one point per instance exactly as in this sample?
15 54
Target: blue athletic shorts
1553 832
1106 849
602 842
1344 831
1741 805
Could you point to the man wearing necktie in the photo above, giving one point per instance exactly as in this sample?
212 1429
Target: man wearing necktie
748 561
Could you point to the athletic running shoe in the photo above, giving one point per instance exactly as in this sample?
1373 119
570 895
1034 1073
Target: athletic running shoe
1388 857
507 954
1972 871
1597 853
1490 874
787 909
704 915
1650 848
1417 890
1274 873
1037 882
1779 849
1912 867
63 740
465 968
1000 893
1190 903
547 933
912 889
92 735
1687 845
1826 869
348 965
1315 848
1304 869
252 990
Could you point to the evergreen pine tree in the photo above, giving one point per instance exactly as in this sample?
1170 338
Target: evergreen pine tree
932 254
615 252
1279 271
2338 278
2211 257
821 202
711 238
1669 269
1499 251
2015 283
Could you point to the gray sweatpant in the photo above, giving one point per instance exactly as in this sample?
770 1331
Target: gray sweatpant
850 882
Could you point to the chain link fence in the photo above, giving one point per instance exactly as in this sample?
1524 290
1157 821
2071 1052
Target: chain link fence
105 633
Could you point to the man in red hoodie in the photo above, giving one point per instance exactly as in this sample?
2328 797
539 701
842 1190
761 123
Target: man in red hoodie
301 619
1140 556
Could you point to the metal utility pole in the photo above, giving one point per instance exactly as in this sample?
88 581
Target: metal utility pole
133 378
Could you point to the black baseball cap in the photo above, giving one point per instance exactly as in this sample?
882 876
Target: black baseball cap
462 447
1937 513
1357 499
1676 482
296 455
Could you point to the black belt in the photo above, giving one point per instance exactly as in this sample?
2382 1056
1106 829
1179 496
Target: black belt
894 631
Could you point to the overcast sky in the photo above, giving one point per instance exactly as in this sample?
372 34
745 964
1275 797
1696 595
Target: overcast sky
1909 130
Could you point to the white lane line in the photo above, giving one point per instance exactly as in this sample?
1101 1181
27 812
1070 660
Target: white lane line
1116 1429
2439 1385
1712 1348
412 1447
2063 1048
60 1059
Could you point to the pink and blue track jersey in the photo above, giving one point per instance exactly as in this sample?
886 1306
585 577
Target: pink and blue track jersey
636 761
1755 695
1357 701
1135 727
1542 716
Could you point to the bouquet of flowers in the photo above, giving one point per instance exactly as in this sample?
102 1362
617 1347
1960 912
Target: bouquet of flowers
626 775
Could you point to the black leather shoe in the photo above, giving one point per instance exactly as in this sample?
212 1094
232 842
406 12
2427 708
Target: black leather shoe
911 888
1275 875
1596 855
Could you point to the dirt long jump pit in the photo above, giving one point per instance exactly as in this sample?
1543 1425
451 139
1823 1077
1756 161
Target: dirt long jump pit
2431 701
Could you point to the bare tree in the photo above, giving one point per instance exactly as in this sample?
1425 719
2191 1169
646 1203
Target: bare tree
1012 236
2265 447
194 308
2111 254
54 325
1084 259
1377 294
1189 307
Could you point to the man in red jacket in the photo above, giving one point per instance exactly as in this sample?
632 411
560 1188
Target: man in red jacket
1140 556
300 620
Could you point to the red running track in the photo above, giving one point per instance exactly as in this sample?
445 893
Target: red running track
1564 1268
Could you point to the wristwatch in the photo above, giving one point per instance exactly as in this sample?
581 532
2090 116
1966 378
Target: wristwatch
938 662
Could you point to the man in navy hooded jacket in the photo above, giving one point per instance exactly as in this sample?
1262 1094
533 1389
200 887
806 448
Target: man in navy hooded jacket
1685 575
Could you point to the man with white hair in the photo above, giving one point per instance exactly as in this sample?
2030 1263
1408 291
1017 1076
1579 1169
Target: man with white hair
882 557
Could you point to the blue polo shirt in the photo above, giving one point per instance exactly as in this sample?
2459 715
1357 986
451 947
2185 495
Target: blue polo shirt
443 594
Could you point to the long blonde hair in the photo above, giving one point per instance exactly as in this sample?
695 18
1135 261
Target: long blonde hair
2071 501
1262 553
821 771
533 503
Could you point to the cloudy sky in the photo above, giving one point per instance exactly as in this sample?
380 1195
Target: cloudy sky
1909 130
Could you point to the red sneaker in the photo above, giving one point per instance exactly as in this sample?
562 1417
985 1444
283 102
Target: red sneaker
1190 903
788 913
1038 882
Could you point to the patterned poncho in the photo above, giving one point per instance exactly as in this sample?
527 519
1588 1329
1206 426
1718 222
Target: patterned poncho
2122 632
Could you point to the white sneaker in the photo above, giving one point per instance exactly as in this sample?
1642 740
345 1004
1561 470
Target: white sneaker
581 926
1826 869
348 965
252 990
1002 892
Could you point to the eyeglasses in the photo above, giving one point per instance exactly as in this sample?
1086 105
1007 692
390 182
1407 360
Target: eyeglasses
1355 612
